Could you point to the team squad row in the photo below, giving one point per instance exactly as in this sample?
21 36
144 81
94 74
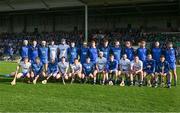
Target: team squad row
106 63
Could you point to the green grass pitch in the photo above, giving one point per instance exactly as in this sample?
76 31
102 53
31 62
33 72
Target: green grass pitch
55 97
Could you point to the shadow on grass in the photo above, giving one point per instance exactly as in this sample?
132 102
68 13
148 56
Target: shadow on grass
8 80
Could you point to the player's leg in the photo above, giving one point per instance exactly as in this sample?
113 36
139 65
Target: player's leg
110 77
128 78
83 78
162 79
28 76
95 76
141 77
49 75
116 75
174 72
16 76
122 75
73 76
46 67
104 77
58 76
156 78
34 77
149 78
79 75
64 76
131 78
168 76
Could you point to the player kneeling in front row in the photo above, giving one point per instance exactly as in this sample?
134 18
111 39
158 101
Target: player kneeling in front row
100 68
52 71
137 71
149 70
112 70
37 70
124 69
25 65
76 70
63 69
162 72
88 70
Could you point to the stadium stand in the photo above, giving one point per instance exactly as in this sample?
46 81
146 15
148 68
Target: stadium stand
53 19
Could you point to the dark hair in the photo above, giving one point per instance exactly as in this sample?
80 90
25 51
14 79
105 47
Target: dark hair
76 59
63 57
37 58
162 56
111 55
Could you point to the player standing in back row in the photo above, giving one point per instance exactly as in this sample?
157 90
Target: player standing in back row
170 55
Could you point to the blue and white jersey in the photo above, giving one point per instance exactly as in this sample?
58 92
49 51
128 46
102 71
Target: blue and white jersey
142 53
76 67
163 67
125 64
24 51
72 54
136 66
130 53
63 67
150 65
88 67
112 65
83 52
37 68
170 55
106 51
25 67
53 67
156 54
53 51
93 54
33 53
101 63
43 53
63 50
117 53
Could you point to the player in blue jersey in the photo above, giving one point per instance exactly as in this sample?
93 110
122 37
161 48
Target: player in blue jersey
52 71
53 49
170 55
149 69
83 53
162 72
33 51
88 70
116 51
72 53
24 51
43 54
156 51
36 70
112 70
142 51
129 50
93 52
105 48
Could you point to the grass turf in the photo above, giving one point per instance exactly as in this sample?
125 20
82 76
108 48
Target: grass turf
55 97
